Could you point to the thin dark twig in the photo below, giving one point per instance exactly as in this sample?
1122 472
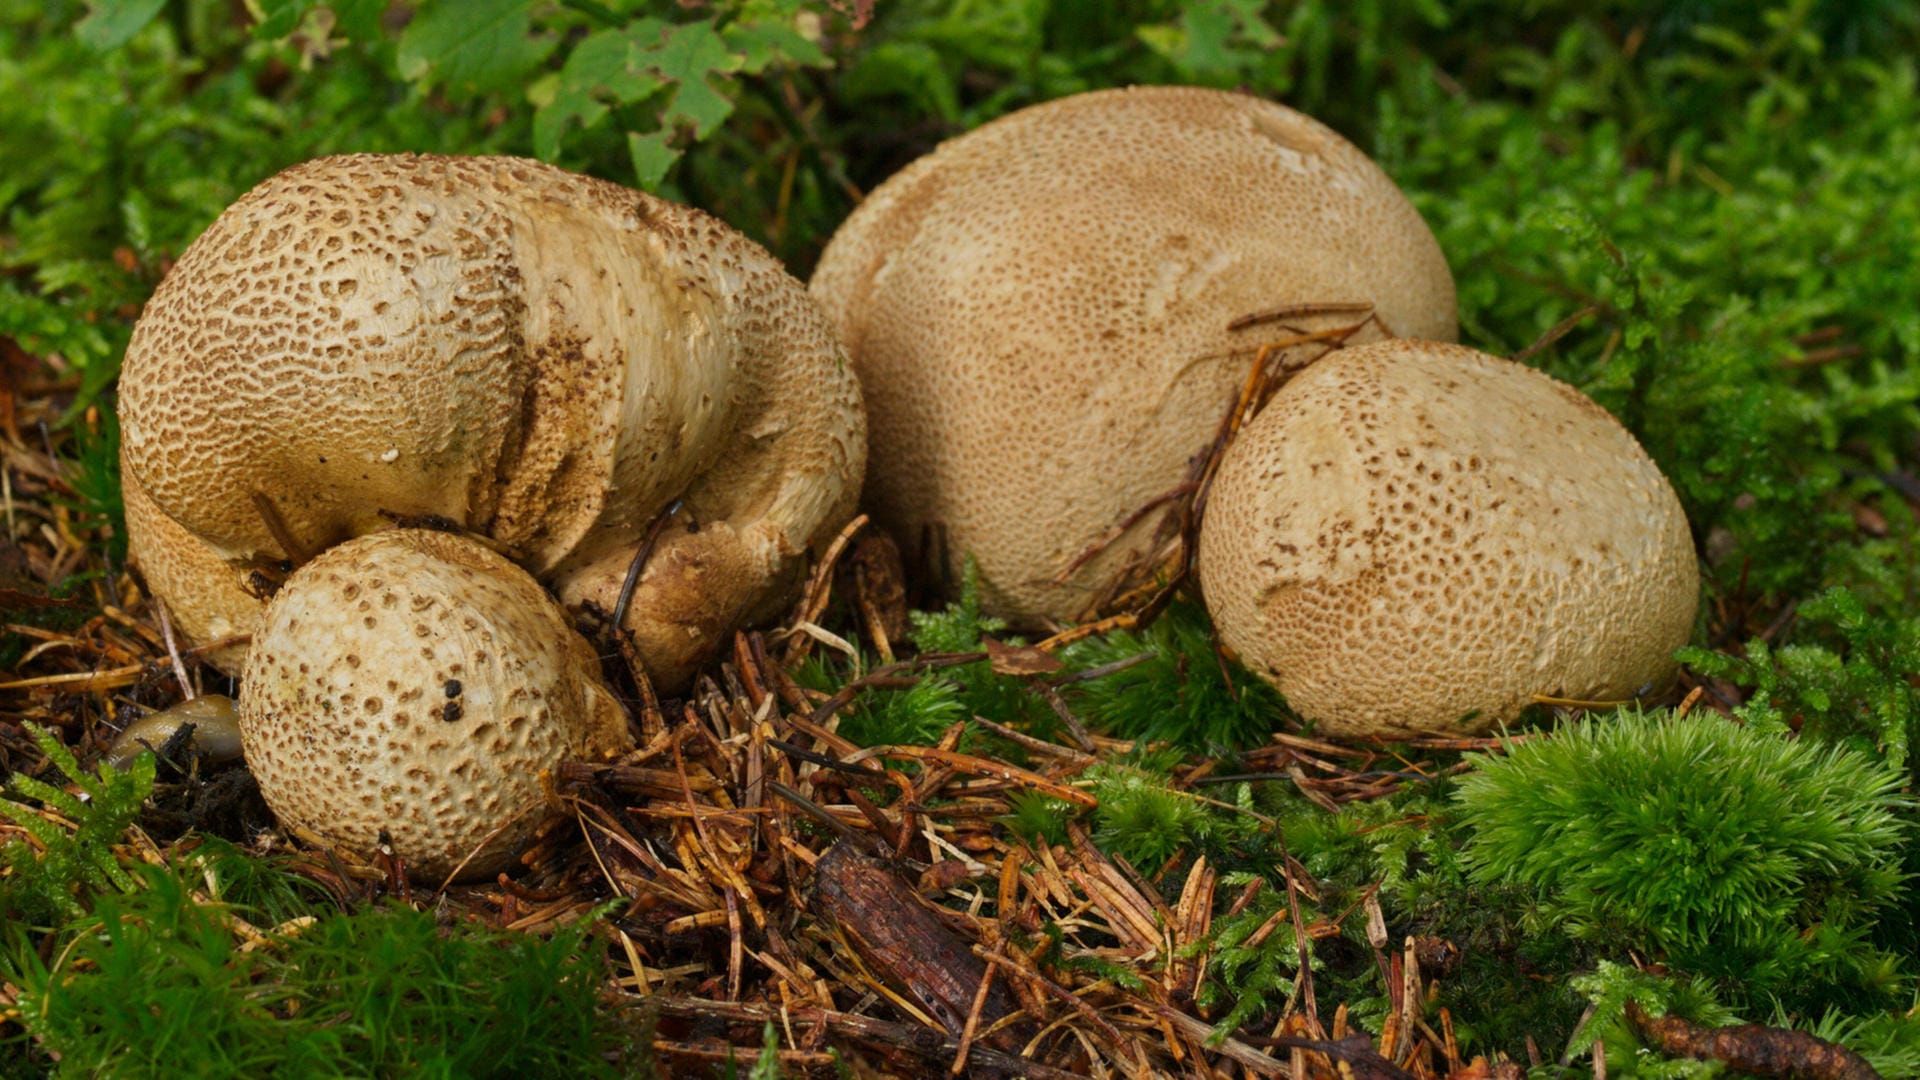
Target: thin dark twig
1555 333
1294 311
290 547
640 557
1100 672
866 770
821 814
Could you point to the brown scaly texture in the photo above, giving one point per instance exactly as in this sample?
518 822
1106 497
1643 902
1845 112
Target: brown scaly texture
539 357
1412 531
416 683
1038 312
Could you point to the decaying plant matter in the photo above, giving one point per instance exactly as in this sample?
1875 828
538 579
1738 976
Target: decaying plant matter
813 894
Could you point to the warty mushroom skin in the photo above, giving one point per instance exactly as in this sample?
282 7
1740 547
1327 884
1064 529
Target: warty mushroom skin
1039 310
541 358
1417 537
416 684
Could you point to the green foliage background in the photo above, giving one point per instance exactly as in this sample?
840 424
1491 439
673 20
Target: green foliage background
1722 196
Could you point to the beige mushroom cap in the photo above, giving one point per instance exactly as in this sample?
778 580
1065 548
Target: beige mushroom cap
1039 313
1412 532
418 683
538 357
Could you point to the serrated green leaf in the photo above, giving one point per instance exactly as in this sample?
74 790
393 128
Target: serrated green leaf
33 788
762 44
112 23
651 156
597 71
686 56
475 45
1208 30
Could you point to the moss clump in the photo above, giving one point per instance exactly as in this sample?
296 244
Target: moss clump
1181 691
1739 854
156 982
49 883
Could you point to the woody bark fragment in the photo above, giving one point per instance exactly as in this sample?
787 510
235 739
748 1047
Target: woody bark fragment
1754 1049
906 945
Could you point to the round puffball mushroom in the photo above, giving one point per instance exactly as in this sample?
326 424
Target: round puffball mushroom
537 357
417 684
1042 313
1417 537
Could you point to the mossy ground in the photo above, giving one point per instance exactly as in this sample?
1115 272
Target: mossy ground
1708 213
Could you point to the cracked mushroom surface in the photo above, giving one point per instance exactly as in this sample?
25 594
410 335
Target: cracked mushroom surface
1417 537
540 358
1040 314
416 685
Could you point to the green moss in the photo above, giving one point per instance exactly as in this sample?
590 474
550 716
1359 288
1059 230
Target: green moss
1761 861
1182 692
70 866
154 982
1731 188
1848 679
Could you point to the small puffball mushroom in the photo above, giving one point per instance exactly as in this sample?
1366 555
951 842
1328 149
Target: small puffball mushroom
417 683
1417 537
537 357
1040 314
215 734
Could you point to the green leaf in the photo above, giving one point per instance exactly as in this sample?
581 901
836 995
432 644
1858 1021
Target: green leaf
1221 38
275 19
475 46
1208 30
767 1065
686 56
762 44
112 23
597 69
911 69
358 20
652 157
355 20
1165 39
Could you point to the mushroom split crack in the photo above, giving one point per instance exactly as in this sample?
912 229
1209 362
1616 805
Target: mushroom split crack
550 364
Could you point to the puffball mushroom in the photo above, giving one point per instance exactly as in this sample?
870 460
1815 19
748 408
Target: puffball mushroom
540 358
417 684
1039 312
1417 537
